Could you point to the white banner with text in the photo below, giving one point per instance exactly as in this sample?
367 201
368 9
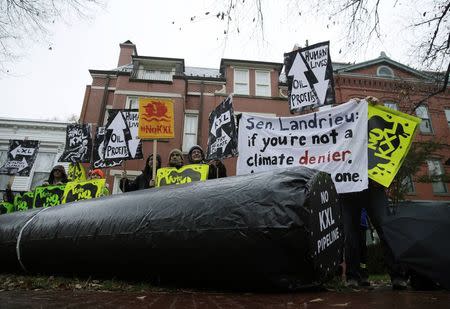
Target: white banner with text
333 141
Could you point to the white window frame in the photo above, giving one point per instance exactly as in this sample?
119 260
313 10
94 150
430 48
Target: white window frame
435 168
447 115
241 86
132 102
193 134
383 67
391 105
260 85
425 125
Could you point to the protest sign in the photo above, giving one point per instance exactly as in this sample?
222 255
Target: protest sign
6 207
46 196
222 139
309 76
134 143
21 157
76 191
24 201
156 118
78 143
116 136
333 141
390 136
76 172
99 146
188 173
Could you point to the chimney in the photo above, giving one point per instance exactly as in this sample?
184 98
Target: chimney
127 49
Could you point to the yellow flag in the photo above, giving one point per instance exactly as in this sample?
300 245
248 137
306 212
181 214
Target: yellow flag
390 135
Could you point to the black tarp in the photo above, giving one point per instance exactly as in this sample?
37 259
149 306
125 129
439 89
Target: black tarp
275 229
418 234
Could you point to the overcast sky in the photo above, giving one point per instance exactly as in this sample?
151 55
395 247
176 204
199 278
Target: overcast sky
50 83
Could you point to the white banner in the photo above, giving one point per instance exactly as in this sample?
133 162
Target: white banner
333 141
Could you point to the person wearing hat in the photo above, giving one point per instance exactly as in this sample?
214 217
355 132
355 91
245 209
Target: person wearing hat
57 176
144 180
176 158
98 174
196 155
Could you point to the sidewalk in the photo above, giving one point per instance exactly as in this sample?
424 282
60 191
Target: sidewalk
379 298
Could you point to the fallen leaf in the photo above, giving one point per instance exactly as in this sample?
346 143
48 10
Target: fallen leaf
340 305
141 297
316 300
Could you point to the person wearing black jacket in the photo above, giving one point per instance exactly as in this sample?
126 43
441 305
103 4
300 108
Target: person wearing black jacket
196 155
144 180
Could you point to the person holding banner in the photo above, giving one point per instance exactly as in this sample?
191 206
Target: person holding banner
176 158
196 155
57 176
144 180
375 201
98 174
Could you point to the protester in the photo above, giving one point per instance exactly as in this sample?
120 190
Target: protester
98 174
364 226
375 201
196 155
8 196
144 180
57 176
176 158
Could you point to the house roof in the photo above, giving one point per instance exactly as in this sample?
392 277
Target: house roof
382 59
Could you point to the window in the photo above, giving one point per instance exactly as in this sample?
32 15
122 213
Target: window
190 131
241 81
435 170
132 103
408 183
447 115
42 167
385 71
164 74
391 105
262 83
425 125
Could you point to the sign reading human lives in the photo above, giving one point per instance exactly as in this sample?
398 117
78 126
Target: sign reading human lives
222 139
121 140
78 144
333 141
156 118
390 136
21 157
309 76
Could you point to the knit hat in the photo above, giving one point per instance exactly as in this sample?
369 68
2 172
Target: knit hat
97 172
192 149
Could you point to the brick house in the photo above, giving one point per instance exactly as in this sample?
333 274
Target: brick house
259 88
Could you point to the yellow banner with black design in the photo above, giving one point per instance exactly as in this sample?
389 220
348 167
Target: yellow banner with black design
188 173
76 172
83 190
390 135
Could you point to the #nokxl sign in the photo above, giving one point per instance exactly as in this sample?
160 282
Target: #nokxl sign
21 157
309 76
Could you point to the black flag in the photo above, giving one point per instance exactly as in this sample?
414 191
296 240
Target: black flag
21 157
78 144
222 139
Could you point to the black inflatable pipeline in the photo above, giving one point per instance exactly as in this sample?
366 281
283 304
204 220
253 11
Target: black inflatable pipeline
256 230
